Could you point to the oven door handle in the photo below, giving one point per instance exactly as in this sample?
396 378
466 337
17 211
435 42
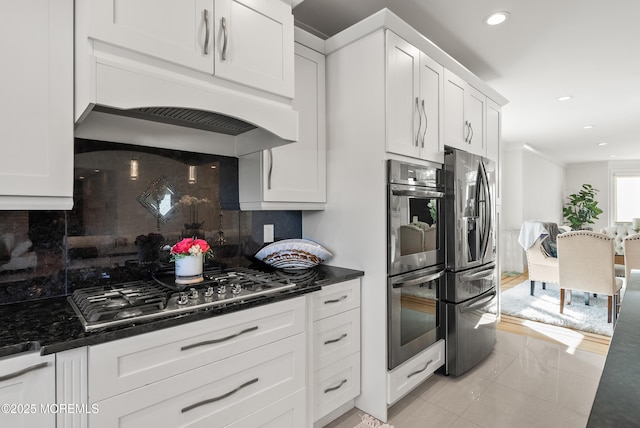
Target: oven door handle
485 273
487 301
417 193
419 280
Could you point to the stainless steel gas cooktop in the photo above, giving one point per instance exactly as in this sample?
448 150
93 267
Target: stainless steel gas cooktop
130 302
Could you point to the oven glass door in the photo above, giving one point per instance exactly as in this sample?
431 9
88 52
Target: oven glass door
415 313
416 237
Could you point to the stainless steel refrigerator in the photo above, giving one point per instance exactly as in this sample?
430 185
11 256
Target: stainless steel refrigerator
471 285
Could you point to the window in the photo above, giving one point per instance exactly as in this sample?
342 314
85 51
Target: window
626 197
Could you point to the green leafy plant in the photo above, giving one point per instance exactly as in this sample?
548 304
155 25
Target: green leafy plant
582 208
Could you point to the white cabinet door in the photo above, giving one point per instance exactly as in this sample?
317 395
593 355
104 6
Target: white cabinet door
403 97
475 117
244 41
36 106
455 130
254 44
494 126
414 100
431 88
28 391
178 31
464 115
293 176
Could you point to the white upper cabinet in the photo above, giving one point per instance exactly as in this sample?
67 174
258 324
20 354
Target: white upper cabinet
36 106
494 130
414 100
244 41
464 115
293 176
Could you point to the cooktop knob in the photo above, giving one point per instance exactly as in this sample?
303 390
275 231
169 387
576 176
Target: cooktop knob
236 288
209 292
222 289
182 299
193 293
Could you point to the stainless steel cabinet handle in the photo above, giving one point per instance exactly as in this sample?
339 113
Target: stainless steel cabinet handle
326 342
333 388
421 370
467 125
336 300
426 124
223 21
470 132
420 121
206 30
223 339
23 371
270 169
220 397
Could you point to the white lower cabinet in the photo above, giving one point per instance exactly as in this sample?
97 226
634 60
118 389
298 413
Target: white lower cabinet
335 347
27 391
212 373
214 395
404 378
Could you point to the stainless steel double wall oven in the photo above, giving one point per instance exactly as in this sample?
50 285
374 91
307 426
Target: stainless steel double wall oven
416 256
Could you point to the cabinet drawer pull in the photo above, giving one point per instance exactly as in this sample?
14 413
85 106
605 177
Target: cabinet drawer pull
205 13
333 388
23 371
270 152
223 21
220 397
421 370
335 340
426 123
419 123
336 300
223 339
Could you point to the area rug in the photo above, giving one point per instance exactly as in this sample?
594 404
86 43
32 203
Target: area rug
544 306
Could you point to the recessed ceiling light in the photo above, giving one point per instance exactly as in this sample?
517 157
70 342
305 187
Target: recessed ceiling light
612 156
565 98
589 127
602 144
497 18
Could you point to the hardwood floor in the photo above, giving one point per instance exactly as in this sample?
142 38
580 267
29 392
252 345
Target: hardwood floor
578 339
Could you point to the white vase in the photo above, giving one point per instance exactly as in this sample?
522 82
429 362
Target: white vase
189 269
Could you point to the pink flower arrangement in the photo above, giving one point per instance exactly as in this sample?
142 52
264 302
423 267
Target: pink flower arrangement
190 247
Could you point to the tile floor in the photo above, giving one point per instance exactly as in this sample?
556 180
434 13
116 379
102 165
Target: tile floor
525 383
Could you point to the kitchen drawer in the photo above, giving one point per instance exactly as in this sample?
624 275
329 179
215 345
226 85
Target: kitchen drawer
336 337
286 413
126 364
214 395
412 373
335 385
336 298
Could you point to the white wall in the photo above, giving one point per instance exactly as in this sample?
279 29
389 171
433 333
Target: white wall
532 188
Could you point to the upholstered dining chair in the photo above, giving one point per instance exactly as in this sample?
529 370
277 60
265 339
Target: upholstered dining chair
631 255
585 262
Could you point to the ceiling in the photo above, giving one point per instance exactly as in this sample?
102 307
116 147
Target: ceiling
587 49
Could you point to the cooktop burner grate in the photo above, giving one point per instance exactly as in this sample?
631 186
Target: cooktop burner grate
105 306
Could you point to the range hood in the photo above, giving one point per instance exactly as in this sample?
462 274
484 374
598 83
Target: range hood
119 103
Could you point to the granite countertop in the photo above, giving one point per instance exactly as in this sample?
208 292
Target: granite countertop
618 394
51 325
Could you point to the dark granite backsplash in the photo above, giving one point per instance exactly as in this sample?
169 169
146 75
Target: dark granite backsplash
129 201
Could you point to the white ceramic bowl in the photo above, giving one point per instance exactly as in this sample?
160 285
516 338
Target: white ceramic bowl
293 254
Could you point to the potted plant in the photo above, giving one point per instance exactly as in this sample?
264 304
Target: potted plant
582 208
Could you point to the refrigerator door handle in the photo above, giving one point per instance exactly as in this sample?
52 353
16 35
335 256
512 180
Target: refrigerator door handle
419 280
484 273
486 217
487 301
